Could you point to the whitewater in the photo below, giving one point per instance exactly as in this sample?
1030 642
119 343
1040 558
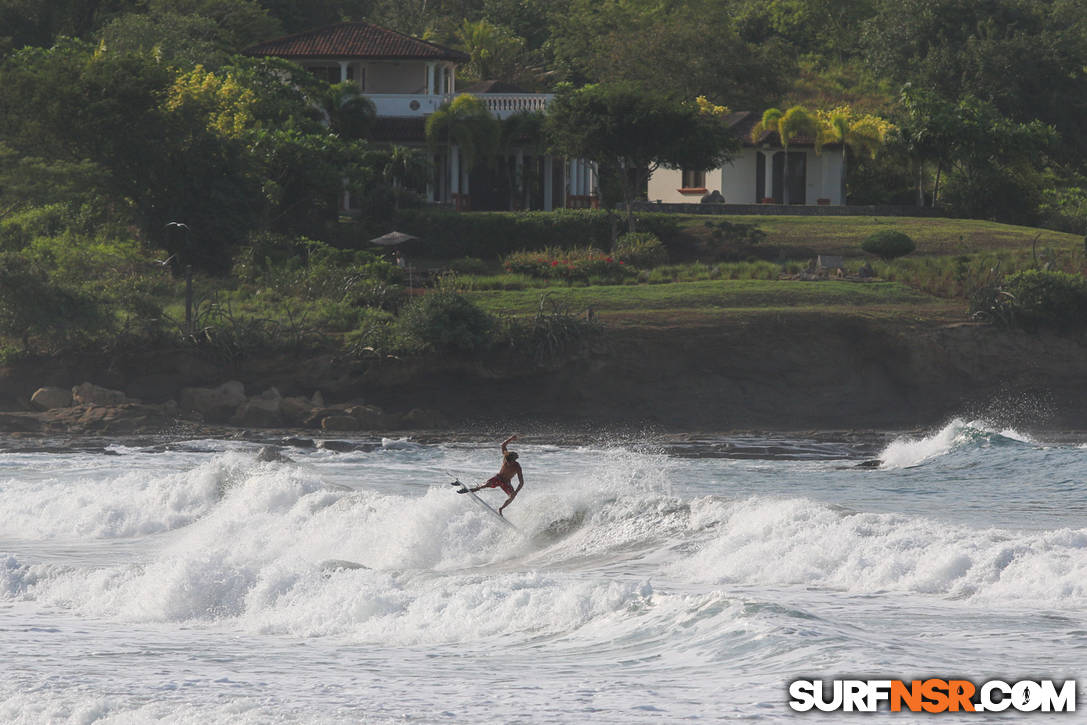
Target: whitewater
191 582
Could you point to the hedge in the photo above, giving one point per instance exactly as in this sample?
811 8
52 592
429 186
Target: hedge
445 234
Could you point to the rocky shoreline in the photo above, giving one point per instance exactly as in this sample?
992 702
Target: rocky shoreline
795 373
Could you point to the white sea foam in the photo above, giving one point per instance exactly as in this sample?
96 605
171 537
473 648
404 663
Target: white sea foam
905 452
801 542
115 503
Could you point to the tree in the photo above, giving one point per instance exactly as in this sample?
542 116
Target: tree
495 51
992 161
667 48
789 126
623 127
998 51
863 133
348 111
467 124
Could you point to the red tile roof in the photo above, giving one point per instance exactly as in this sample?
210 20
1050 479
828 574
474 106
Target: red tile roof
355 40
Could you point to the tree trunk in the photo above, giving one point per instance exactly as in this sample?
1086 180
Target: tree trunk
936 184
921 184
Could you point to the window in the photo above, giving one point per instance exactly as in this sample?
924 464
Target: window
327 73
694 179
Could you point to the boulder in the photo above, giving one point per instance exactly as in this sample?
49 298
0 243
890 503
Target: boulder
215 405
260 411
154 388
339 422
91 394
369 417
422 418
296 410
337 446
50 397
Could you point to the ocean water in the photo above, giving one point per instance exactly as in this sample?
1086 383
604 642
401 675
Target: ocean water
191 583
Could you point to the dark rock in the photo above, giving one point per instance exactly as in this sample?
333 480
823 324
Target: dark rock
337 446
154 388
339 422
50 397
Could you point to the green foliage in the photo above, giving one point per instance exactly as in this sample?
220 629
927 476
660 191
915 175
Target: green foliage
585 264
495 52
641 250
493 235
467 123
1035 299
554 333
32 307
621 126
664 48
445 321
888 244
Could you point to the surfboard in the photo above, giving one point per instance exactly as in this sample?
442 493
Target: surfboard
484 504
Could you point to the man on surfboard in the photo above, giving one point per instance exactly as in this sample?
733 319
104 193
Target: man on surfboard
504 478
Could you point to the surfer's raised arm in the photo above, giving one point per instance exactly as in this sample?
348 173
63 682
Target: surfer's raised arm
508 441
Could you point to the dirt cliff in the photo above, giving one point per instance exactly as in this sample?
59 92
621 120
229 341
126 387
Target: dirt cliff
789 373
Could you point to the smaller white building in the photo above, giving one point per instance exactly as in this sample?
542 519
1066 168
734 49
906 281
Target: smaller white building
759 173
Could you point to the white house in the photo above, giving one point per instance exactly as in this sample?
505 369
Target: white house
408 79
758 173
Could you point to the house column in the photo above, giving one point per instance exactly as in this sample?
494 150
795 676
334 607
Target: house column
768 192
454 170
343 70
519 170
548 200
824 173
429 87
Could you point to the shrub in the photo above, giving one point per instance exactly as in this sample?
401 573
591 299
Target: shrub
374 333
571 265
470 265
888 244
445 321
491 235
1035 299
641 249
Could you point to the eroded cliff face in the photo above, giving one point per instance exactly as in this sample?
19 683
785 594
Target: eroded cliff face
775 374
784 375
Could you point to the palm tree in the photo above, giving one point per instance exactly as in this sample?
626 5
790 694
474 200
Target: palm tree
347 111
788 125
862 133
467 124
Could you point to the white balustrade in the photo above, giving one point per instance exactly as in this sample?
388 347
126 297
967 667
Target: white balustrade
403 105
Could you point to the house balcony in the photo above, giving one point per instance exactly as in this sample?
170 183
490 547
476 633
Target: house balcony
503 105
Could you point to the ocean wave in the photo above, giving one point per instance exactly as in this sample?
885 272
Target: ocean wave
111 504
801 542
955 435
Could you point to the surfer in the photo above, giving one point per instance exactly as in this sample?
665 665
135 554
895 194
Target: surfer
504 478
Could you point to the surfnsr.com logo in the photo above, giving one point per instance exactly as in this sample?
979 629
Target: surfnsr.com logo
932 695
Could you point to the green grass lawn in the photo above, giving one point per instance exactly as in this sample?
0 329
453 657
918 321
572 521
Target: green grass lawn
713 295
934 236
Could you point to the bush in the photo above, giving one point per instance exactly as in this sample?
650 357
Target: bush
888 244
1035 299
641 249
571 265
445 321
491 235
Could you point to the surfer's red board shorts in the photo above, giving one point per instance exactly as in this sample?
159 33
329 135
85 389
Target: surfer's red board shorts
497 482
